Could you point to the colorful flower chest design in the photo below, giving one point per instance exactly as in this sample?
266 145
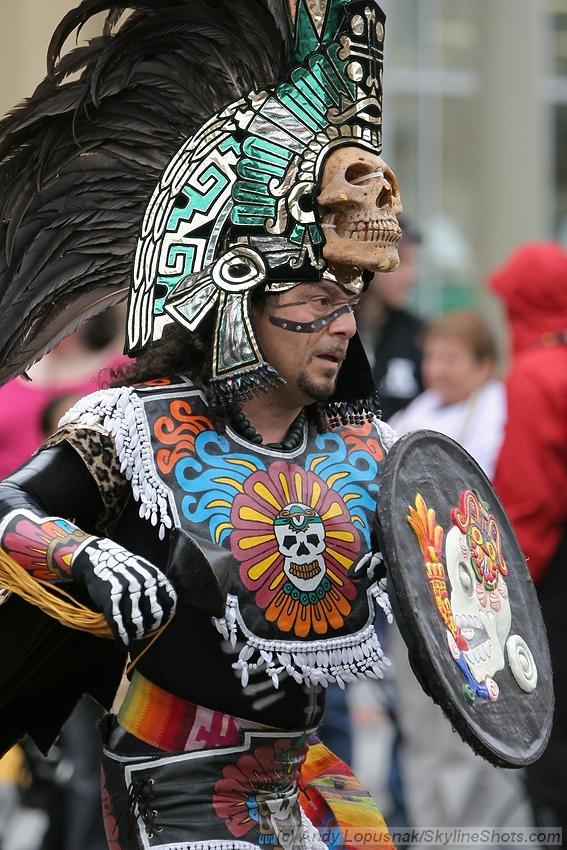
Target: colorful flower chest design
295 522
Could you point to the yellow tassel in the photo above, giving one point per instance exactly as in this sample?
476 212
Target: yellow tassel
51 599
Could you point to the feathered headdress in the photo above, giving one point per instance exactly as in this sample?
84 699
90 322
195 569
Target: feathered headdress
167 160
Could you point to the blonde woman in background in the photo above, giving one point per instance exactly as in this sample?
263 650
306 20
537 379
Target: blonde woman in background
463 399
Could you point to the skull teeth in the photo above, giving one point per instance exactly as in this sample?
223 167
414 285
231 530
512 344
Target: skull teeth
480 653
471 628
305 571
383 232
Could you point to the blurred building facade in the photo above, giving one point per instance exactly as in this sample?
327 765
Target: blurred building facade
475 123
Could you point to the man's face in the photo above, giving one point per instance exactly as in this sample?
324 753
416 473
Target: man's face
308 362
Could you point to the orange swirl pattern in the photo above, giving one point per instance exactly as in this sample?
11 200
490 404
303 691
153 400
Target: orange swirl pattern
179 431
356 440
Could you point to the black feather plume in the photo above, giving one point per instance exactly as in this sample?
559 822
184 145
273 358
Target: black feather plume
79 159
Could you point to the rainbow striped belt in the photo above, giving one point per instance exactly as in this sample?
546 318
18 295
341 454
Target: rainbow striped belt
173 724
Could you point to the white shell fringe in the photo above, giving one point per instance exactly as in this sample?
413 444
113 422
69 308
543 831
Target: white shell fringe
387 434
315 662
120 413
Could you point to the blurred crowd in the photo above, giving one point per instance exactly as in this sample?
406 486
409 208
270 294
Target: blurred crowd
448 374
54 803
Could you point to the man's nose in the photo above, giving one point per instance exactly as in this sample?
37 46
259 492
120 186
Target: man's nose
345 324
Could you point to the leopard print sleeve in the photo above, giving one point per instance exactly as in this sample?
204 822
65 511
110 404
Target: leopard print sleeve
98 453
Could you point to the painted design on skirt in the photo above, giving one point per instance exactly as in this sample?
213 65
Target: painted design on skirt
249 795
110 822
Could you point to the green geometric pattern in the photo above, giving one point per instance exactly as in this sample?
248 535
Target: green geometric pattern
249 176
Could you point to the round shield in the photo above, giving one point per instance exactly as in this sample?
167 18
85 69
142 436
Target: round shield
466 605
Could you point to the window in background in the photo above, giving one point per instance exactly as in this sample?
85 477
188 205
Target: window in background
557 95
430 85
557 10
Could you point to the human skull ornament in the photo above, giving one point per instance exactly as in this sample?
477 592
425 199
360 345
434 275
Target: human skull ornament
300 534
358 204
484 618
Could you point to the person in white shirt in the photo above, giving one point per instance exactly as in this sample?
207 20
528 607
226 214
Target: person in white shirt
462 399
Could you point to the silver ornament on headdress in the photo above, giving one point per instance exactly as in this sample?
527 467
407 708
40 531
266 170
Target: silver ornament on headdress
245 186
231 210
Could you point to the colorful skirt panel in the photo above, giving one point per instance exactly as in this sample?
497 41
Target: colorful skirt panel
178 776
244 796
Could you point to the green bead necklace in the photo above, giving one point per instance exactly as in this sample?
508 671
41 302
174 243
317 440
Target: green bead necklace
292 439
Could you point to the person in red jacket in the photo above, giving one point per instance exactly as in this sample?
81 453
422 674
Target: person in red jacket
531 473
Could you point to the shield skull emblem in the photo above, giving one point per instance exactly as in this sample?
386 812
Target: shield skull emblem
464 600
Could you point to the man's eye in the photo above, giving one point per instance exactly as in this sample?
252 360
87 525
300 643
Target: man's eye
321 301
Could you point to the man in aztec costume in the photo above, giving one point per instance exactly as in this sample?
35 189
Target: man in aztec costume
218 163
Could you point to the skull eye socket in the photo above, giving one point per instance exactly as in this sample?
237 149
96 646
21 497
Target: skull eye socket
289 541
466 578
476 535
313 539
357 173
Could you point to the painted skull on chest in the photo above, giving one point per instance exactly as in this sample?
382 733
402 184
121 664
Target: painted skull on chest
279 821
300 535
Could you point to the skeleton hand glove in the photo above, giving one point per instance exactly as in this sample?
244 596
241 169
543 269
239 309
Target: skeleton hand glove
133 594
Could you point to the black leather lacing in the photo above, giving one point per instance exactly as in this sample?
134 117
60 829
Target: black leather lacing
140 796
